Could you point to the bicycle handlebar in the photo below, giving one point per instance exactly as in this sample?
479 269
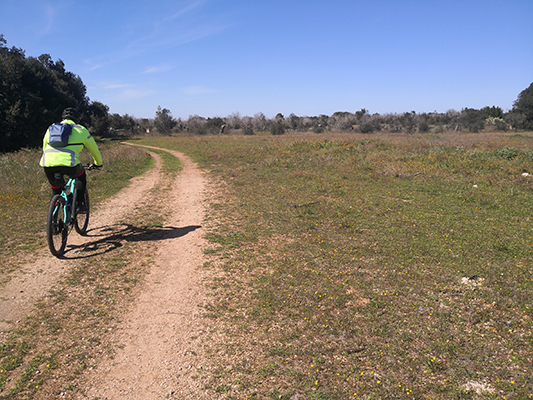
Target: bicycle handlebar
91 166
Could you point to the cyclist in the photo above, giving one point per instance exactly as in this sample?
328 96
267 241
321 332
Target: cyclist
64 160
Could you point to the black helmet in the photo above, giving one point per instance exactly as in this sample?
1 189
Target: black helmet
72 113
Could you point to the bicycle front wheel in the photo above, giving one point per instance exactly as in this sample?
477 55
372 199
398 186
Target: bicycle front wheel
81 220
56 230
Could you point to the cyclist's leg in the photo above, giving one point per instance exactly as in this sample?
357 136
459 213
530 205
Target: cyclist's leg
78 172
81 216
55 178
81 183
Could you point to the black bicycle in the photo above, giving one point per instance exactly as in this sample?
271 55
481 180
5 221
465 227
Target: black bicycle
63 215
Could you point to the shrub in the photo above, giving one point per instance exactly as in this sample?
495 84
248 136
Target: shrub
277 128
472 120
508 153
248 130
369 127
366 128
318 129
501 125
529 153
423 127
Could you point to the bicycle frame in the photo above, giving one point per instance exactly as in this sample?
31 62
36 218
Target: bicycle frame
61 220
68 195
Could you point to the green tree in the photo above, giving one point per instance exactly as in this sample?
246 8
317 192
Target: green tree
342 121
515 119
524 105
370 124
277 127
492 112
248 129
294 121
472 120
215 125
360 114
12 98
117 121
163 122
408 122
33 94
366 127
424 124
96 117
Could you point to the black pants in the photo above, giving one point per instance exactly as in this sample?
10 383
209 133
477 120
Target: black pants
56 178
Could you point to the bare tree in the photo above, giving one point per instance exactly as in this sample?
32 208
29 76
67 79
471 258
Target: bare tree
197 124
452 120
260 122
234 121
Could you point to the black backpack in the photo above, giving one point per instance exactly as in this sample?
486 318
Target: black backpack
59 134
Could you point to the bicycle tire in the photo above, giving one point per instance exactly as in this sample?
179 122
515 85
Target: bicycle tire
56 231
81 221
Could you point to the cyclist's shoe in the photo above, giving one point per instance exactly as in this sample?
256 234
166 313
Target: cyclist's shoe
81 209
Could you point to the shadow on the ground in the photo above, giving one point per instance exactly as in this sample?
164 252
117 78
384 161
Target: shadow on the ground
111 237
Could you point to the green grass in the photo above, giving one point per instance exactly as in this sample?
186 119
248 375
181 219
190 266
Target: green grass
25 192
365 267
46 353
355 267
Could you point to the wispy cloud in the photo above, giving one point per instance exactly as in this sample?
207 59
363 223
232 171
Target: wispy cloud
167 32
49 17
158 69
185 10
173 28
193 34
94 63
123 91
116 86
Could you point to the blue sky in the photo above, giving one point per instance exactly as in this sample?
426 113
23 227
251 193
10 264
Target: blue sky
215 57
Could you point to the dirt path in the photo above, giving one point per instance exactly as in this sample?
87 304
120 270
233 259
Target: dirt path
156 339
156 336
34 279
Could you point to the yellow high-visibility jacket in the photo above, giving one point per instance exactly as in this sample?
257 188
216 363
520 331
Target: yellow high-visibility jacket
69 156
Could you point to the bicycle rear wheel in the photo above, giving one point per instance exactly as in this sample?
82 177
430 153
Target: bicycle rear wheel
81 220
56 230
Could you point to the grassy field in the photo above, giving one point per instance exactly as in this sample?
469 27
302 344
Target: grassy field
25 192
45 353
370 267
345 266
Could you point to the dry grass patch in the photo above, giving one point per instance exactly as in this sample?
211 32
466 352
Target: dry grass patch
371 267
72 327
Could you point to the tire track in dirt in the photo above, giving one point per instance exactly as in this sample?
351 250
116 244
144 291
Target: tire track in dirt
34 279
154 339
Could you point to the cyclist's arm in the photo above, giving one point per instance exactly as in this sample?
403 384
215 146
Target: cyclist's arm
46 138
92 166
93 149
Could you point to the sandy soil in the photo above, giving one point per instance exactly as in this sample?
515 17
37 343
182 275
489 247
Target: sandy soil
156 336
155 353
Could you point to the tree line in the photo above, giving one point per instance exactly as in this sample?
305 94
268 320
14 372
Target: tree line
34 91
362 121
